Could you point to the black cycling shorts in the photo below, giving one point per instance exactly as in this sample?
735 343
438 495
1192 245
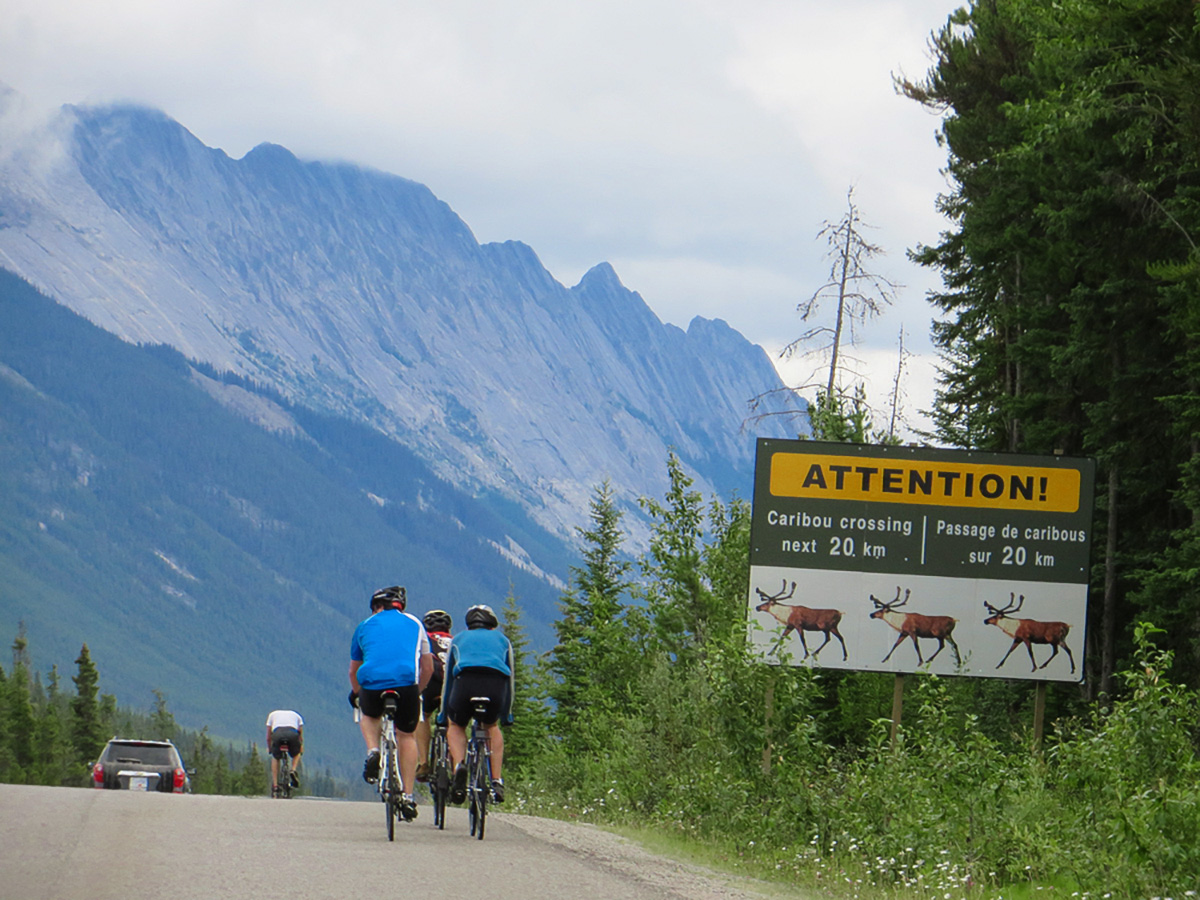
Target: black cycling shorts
477 681
408 706
285 737
431 698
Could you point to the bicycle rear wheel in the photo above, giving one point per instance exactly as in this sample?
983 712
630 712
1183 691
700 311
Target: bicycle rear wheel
285 776
389 781
472 794
439 779
482 781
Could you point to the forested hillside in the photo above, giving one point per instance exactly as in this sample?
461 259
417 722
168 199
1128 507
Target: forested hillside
52 731
1071 307
208 557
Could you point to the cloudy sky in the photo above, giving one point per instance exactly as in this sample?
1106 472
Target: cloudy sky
697 145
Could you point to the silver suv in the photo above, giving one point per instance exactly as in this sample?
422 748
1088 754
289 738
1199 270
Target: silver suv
141 766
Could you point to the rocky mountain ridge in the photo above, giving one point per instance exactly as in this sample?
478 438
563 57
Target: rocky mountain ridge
359 293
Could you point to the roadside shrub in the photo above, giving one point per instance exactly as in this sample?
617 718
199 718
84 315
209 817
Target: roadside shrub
1111 808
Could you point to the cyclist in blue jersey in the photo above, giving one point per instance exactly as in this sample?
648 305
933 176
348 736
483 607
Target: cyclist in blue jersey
389 651
479 664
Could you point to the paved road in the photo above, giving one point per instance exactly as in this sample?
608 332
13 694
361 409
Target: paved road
84 844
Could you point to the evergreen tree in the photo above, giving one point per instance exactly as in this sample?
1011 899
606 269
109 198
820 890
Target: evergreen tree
6 750
726 566
680 602
57 764
1070 129
207 763
523 739
597 639
21 723
163 721
87 734
253 779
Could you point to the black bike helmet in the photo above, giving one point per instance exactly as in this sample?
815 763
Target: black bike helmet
481 617
438 620
394 596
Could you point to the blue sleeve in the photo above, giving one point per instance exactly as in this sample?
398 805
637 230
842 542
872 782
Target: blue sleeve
512 684
356 653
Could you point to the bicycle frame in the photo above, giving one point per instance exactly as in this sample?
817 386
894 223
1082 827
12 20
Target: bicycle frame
389 785
479 768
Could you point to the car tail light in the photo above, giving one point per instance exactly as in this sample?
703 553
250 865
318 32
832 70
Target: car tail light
180 775
98 775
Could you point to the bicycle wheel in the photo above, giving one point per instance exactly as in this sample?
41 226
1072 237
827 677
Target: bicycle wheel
481 778
472 805
285 777
439 780
389 788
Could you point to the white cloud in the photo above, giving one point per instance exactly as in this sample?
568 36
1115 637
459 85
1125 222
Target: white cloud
697 145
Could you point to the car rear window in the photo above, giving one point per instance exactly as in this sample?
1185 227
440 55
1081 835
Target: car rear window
144 755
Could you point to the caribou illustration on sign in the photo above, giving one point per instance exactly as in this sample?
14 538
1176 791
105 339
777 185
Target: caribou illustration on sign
800 619
914 626
1028 632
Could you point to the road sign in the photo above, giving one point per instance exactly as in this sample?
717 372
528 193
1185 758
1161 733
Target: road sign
928 554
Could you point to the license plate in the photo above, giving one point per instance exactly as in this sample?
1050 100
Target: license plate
139 783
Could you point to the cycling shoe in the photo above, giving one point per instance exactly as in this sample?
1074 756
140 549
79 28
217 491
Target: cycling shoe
458 788
408 807
371 767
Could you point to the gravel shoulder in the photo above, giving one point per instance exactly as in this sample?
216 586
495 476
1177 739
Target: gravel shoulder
621 856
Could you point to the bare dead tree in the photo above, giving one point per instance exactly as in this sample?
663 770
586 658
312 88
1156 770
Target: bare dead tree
856 293
897 398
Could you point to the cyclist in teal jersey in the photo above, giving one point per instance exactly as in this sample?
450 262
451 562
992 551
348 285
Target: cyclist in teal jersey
479 664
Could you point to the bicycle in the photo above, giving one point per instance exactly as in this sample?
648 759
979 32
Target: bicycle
388 784
439 775
283 789
479 768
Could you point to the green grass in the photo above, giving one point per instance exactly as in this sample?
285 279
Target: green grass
780 875
722 860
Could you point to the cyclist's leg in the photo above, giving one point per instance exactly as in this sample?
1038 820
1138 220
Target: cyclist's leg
458 716
370 704
431 701
369 725
496 738
423 740
408 714
456 740
370 732
406 748
273 753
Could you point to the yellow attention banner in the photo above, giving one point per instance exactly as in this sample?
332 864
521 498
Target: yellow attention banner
888 480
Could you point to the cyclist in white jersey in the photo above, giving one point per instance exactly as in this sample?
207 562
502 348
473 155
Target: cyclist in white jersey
285 726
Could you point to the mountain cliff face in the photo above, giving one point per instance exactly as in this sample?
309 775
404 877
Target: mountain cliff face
359 293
